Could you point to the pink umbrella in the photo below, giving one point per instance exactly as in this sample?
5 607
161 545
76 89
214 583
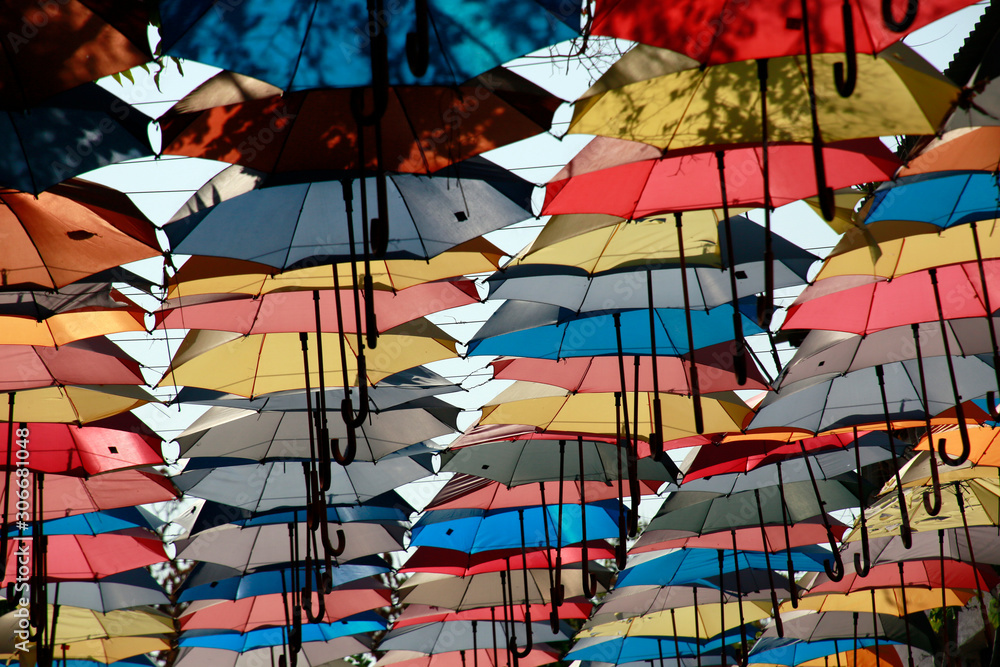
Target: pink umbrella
91 557
90 361
64 496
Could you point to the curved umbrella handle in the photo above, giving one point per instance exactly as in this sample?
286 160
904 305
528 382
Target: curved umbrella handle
845 84
932 499
351 420
863 560
908 17
837 571
554 619
529 641
328 549
589 580
346 457
320 617
418 42
963 456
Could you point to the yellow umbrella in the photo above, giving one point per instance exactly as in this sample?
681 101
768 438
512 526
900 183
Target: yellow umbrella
111 650
906 249
897 93
703 622
76 404
264 363
75 624
212 275
556 409
64 328
887 600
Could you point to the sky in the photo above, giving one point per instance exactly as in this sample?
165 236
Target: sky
160 186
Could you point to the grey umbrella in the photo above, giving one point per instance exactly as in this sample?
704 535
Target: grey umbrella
834 401
132 588
431 638
811 626
890 549
245 434
260 487
313 654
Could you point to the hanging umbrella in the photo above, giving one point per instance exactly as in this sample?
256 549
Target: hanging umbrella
312 654
315 132
539 655
417 614
545 331
250 548
972 147
269 610
541 406
74 624
311 632
791 651
870 656
331 52
801 533
889 601
474 531
94 361
77 404
640 174
91 557
95 292
827 402
74 495
211 275
284 435
464 564
810 626
599 374
265 363
132 588
623 650
981 440
88 450
265 486
949 199
307 224
113 650
680 621
469 491
916 573
72 132
131 520
751 31
70 232
484 590
433 638
691 565
209 581
116 314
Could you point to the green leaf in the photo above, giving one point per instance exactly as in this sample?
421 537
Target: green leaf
128 75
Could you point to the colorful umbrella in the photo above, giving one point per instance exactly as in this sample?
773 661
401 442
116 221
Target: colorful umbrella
92 557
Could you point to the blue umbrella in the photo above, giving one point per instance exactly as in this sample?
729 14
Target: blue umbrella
209 581
542 331
944 199
98 523
790 651
688 566
476 530
305 44
311 632
632 649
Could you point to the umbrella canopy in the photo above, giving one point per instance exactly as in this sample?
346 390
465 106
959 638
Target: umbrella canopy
691 565
475 531
304 224
801 533
212 275
112 650
417 614
433 638
981 439
792 651
559 410
827 402
293 312
269 610
121 488
888 601
539 655
693 107
632 180
315 132
484 590
114 313
465 564
810 626
132 520
600 374
702 622
632 601
91 557
75 624
132 588
470 491
958 148
70 232
917 573
264 363
78 404
285 435
516 462
950 199
209 581
330 53
72 132
545 331
313 654
87 450
263 637
889 549
623 650
253 547
753 31
266 486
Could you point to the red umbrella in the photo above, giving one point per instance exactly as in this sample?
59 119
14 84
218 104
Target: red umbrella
416 614
90 361
631 180
807 532
461 564
915 573
864 305
269 610
600 374
91 557
282 312
65 496
83 451
541 654
717 31
467 491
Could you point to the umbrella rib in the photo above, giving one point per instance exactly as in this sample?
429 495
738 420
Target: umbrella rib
406 205
687 107
413 129
295 226
666 331
256 369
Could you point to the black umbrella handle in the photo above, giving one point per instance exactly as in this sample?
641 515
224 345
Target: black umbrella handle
656 437
909 16
846 84
932 499
767 562
418 41
346 457
962 457
959 411
862 561
825 192
371 321
699 422
352 420
331 552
